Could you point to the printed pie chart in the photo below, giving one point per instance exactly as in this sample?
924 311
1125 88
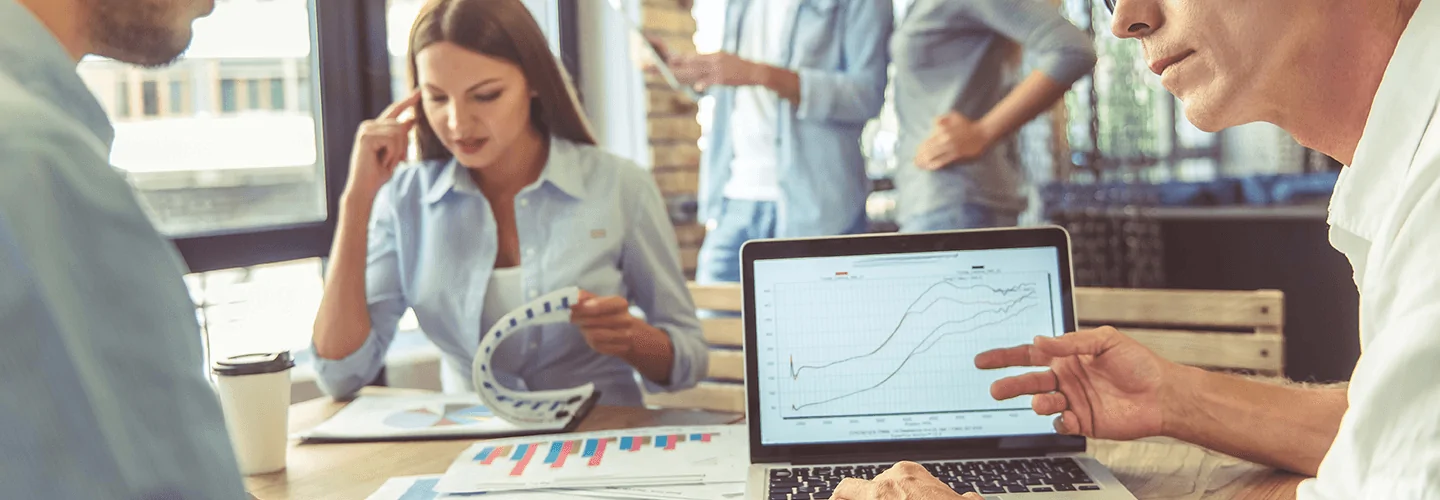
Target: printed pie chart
419 418
455 414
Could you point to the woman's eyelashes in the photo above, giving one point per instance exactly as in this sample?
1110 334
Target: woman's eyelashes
481 97
487 96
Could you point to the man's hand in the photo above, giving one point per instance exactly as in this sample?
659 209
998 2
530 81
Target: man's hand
1102 383
606 323
904 481
719 68
953 138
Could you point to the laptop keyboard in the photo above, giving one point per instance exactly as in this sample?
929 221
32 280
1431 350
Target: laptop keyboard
1034 475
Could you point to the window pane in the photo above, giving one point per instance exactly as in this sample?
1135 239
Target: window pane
122 100
252 88
227 154
400 15
151 97
277 94
177 97
259 309
228 100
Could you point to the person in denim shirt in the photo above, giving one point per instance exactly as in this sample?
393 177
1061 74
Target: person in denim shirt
958 108
794 85
511 200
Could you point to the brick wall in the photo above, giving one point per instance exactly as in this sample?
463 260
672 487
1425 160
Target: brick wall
672 128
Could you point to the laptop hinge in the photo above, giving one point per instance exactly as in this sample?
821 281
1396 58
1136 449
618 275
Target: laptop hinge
892 457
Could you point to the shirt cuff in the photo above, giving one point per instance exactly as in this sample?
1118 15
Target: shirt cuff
812 93
342 378
682 371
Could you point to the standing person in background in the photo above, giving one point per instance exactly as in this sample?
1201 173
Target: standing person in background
797 81
101 386
959 163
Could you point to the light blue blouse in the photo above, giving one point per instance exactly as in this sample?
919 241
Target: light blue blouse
592 220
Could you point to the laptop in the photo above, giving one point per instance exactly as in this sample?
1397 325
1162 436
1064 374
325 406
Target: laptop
860 353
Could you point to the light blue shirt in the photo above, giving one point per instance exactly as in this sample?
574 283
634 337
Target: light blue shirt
839 49
956 55
102 393
591 220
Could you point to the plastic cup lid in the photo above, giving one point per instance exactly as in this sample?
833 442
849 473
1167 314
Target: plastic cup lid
254 364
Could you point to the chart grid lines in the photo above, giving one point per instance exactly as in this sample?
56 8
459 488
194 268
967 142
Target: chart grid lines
852 346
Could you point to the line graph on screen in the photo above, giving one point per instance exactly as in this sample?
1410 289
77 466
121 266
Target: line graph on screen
897 346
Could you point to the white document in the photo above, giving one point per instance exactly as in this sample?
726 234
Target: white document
420 416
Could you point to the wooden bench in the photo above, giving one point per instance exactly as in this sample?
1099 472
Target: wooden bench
1226 330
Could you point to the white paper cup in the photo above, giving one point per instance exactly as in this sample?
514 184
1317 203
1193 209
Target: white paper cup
254 392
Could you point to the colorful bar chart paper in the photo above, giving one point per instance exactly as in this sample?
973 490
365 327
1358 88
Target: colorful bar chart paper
662 456
522 458
595 451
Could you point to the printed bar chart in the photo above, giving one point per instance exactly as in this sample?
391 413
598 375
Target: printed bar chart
659 456
557 453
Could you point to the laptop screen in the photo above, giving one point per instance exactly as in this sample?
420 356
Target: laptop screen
882 347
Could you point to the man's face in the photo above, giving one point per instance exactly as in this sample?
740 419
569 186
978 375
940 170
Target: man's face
1224 58
148 33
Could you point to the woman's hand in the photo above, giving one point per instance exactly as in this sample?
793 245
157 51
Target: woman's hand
606 323
380 145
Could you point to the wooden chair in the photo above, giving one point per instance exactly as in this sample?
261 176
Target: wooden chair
1227 330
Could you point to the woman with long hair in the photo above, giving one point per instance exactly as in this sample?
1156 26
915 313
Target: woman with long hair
511 199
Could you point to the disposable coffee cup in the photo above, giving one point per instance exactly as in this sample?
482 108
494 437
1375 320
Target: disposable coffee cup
254 392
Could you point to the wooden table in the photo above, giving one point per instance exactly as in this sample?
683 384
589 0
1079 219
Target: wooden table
1152 469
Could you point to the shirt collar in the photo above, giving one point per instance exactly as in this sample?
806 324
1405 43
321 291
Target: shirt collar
31 55
1404 106
562 170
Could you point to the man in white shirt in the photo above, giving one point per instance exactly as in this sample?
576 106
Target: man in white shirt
1360 81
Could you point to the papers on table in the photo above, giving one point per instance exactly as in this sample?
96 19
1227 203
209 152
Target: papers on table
421 416
658 456
423 488
658 463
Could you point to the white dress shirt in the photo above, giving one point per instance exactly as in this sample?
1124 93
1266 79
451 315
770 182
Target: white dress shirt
1385 217
755 125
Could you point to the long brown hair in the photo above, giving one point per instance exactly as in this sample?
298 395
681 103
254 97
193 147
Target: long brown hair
503 29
